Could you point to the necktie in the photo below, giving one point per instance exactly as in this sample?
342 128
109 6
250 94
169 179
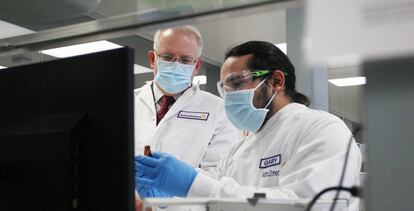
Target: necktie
165 103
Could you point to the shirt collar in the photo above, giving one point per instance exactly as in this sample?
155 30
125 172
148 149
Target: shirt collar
158 93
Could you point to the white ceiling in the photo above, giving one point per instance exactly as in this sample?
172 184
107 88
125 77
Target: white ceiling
218 35
10 30
221 35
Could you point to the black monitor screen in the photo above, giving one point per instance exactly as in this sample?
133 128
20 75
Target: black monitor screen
66 134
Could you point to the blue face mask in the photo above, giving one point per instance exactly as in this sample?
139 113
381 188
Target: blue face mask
241 111
173 77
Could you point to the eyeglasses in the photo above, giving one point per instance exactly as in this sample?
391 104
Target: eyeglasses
171 58
239 80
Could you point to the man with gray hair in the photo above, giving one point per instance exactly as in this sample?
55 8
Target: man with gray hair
173 115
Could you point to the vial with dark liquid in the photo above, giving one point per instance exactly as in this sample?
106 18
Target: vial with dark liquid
147 151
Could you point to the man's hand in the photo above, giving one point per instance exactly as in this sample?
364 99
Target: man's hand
138 204
144 191
165 173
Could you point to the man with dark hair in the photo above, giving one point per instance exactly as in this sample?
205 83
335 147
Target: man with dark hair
292 151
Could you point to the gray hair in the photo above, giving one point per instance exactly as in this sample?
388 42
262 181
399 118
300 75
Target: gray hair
187 30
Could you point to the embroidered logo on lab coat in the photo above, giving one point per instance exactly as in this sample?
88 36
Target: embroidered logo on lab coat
270 173
270 161
193 115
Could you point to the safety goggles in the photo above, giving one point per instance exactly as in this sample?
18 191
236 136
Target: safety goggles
239 80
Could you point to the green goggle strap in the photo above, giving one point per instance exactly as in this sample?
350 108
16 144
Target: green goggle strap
258 73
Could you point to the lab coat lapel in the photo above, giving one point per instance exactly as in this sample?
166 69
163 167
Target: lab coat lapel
147 98
181 102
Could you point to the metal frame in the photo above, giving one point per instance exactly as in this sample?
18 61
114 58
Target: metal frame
225 204
125 25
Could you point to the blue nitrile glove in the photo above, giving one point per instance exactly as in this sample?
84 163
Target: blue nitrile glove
145 192
165 172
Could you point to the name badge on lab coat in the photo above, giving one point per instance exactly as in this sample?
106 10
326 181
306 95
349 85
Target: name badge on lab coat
270 161
193 115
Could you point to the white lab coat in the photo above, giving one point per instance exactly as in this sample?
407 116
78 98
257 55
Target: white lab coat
195 129
297 153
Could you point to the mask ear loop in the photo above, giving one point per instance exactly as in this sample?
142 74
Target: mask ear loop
271 99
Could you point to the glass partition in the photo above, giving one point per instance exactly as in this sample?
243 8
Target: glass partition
48 29
52 29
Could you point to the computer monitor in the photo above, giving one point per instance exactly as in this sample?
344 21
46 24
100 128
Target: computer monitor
66 134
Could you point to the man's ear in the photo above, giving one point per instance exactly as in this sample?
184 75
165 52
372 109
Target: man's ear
277 80
151 59
198 66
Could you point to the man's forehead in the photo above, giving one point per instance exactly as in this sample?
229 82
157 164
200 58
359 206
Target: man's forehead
170 49
177 43
235 64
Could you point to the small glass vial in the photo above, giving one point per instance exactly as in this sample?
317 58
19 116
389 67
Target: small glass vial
147 151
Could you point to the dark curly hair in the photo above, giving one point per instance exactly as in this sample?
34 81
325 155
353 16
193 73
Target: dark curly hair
267 56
